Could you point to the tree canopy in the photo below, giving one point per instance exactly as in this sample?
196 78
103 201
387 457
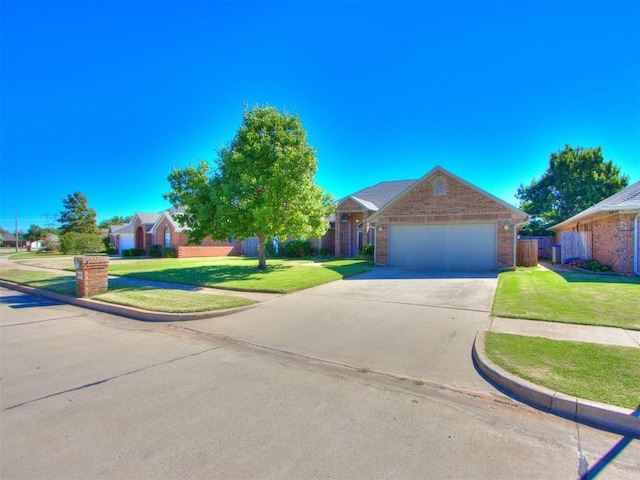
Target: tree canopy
35 233
575 179
261 186
115 220
77 216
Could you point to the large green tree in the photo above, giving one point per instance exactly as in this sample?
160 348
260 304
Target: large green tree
77 216
575 179
261 186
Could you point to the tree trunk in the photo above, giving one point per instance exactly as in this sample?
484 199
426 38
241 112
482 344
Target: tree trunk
262 258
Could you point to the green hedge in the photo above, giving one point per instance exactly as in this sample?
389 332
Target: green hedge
73 243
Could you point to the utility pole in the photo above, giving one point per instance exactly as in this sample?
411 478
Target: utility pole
16 209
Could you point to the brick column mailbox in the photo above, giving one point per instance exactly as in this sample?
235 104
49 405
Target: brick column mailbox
91 275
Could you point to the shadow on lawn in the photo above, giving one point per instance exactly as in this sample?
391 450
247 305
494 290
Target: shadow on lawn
207 275
581 277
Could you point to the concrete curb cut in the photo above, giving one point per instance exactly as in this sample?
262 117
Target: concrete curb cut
129 312
599 415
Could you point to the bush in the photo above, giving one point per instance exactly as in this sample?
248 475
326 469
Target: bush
78 243
155 251
324 252
110 248
51 245
297 249
368 250
169 252
136 252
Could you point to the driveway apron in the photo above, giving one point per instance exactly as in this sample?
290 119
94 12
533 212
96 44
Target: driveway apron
412 324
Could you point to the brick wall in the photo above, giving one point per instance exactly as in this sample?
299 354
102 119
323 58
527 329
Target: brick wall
92 277
223 249
459 204
613 241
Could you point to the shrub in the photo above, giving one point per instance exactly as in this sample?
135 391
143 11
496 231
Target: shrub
270 247
125 253
109 247
136 252
78 243
297 249
368 250
155 251
324 252
51 245
169 252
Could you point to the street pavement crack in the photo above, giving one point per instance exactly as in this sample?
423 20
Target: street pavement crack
105 380
41 321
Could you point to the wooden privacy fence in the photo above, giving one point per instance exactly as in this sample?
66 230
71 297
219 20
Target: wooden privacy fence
527 253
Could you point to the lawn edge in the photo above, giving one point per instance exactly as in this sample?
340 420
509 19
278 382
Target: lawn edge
599 415
121 310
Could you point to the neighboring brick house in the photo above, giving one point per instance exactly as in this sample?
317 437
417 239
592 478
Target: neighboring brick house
438 221
147 229
606 232
169 234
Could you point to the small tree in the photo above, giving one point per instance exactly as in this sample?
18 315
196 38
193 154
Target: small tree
574 180
77 216
262 186
35 233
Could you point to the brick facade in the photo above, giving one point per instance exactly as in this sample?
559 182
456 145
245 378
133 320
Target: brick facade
423 204
92 277
612 238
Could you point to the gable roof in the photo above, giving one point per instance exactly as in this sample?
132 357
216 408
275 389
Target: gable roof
625 200
168 214
439 169
375 197
147 218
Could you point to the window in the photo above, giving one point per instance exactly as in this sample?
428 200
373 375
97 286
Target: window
439 186
230 240
167 237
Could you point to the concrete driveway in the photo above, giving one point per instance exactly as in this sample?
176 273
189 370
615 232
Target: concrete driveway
412 324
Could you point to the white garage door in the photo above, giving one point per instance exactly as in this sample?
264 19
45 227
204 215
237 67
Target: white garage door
454 247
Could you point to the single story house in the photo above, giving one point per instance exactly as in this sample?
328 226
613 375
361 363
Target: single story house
606 232
148 229
438 221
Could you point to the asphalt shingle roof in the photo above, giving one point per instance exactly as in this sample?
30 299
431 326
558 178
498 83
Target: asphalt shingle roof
627 199
382 193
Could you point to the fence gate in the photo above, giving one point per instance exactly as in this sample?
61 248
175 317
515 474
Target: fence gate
250 247
575 245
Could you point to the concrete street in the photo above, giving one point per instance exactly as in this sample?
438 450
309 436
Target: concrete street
285 390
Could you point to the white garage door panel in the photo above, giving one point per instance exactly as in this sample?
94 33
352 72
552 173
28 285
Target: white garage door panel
455 247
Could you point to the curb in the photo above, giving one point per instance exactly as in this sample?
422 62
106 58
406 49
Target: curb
121 310
599 415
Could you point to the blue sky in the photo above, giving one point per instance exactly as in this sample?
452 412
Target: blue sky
105 97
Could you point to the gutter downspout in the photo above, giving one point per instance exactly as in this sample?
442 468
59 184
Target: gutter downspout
636 238
515 237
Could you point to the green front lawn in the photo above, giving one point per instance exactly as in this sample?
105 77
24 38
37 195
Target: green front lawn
122 293
240 273
601 373
570 297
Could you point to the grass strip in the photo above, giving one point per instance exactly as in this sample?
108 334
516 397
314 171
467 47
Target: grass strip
240 273
602 373
123 293
569 297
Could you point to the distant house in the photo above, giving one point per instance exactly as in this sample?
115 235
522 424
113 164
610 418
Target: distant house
438 221
148 229
606 232
9 240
